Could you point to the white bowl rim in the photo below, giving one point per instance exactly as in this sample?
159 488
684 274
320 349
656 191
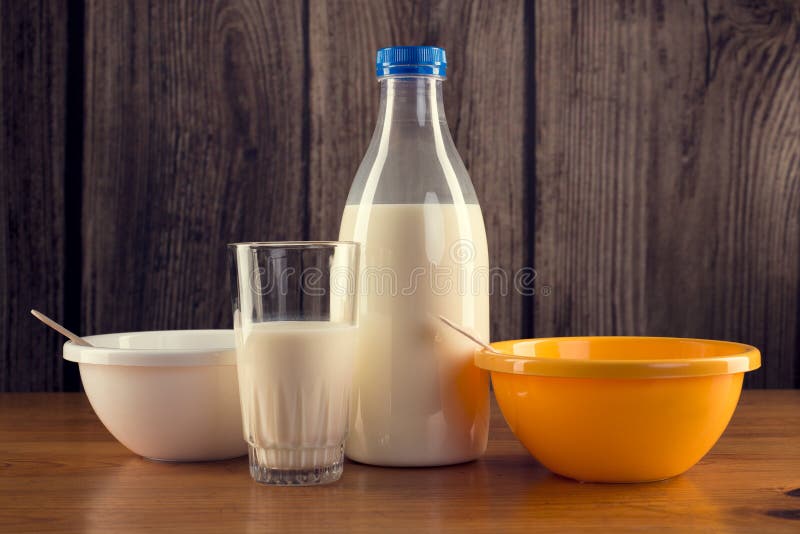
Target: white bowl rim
188 357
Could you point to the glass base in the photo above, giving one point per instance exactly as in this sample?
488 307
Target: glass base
296 467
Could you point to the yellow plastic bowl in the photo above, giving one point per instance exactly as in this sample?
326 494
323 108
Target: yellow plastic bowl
618 409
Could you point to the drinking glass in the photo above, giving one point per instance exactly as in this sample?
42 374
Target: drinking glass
294 319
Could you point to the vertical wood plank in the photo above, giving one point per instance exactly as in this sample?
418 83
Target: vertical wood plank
668 170
484 101
748 166
33 56
194 138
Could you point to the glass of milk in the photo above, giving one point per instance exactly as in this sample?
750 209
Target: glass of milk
294 318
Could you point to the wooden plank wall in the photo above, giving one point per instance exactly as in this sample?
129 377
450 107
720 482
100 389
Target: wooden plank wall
668 173
194 139
643 156
33 63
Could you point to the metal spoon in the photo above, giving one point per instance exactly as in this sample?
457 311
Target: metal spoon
463 332
60 329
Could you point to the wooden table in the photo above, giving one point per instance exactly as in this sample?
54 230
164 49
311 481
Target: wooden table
61 470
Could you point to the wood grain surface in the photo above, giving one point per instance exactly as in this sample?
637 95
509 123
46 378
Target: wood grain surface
61 471
668 173
485 42
33 58
642 156
194 139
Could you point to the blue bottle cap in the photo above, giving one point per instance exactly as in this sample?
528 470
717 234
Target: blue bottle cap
411 60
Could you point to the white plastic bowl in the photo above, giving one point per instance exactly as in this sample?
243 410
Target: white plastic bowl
168 395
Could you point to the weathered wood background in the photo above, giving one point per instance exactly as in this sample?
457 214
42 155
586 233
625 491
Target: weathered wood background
643 156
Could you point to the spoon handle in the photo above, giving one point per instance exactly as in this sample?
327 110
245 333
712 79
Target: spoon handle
466 334
60 329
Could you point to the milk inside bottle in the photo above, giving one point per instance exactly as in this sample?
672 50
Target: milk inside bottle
417 398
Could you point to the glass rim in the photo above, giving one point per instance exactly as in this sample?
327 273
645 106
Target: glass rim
290 244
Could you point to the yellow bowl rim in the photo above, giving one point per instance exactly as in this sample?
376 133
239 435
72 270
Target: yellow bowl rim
748 359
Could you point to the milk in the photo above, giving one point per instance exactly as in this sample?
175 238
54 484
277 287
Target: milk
294 384
417 397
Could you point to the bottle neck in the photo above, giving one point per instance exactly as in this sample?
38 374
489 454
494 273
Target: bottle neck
411 158
415 99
